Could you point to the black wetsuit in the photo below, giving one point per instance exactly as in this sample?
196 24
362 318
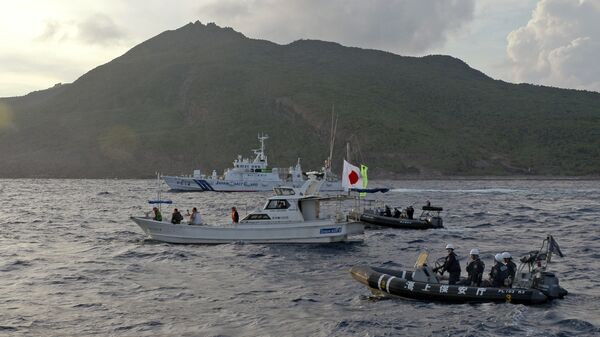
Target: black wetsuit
475 270
452 266
498 274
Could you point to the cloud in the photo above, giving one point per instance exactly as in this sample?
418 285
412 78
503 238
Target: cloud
97 28
559 45
101 29
402 26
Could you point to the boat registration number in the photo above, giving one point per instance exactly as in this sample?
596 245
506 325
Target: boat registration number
331 230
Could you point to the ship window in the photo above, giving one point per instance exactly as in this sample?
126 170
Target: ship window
278 204
257 217
284 191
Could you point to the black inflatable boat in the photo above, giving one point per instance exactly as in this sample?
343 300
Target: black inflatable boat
429 218
533 284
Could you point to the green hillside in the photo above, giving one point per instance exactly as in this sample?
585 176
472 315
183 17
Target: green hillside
199 95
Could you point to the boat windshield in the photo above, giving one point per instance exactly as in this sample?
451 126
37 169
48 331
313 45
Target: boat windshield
257 217
284 191
278 204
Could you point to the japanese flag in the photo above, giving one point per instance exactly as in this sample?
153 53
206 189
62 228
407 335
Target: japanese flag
351 178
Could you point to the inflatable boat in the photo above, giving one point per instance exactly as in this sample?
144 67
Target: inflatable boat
429 218
533 284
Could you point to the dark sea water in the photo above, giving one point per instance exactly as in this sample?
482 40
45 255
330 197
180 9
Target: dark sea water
73 264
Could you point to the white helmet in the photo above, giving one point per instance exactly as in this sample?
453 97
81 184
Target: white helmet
474 251
506 255
449 246
498 257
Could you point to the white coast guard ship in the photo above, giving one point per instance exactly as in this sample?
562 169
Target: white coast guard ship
245 176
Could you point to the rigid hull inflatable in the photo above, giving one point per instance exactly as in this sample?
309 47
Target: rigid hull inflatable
426 220
400 283
532 284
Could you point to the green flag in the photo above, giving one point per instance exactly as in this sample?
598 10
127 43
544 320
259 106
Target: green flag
363 173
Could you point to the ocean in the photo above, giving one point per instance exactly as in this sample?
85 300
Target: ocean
73 264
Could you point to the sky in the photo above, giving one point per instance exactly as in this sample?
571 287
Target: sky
546 42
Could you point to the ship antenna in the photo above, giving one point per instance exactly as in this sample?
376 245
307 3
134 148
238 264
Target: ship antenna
334 121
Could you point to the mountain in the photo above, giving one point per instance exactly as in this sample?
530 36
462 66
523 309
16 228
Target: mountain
199 95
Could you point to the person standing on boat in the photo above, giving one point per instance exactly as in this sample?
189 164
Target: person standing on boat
157 215
195 218
451 265
475 269
410 211
512 268
499 272
176 217
388 211
235 217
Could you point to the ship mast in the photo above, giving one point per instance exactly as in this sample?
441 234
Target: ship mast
334 121
260 153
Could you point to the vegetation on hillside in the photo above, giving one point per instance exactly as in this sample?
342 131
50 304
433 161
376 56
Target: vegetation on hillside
198 96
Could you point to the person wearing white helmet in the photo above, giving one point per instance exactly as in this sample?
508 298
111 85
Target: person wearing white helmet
512 268
499 272
450 265
475 269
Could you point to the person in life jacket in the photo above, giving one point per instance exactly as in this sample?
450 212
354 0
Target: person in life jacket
475 269
499 272
235 217
157 215
451 265
512 268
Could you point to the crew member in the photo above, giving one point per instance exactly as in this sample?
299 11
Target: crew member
388 211
451 265
410 211
511 266
499 272
475 269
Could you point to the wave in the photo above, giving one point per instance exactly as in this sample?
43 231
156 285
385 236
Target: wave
577 325
477 190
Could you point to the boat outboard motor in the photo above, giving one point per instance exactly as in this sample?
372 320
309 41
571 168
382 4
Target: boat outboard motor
547 283
435 221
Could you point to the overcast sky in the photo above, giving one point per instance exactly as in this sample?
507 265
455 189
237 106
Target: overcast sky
549 42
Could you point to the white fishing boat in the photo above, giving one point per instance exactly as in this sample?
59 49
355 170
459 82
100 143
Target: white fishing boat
247 175
292 215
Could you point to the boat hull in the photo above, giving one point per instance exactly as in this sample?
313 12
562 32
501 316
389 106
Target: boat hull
219 185
322 231
400 283
401 223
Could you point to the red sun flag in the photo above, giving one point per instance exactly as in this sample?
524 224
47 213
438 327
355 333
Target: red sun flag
353 177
